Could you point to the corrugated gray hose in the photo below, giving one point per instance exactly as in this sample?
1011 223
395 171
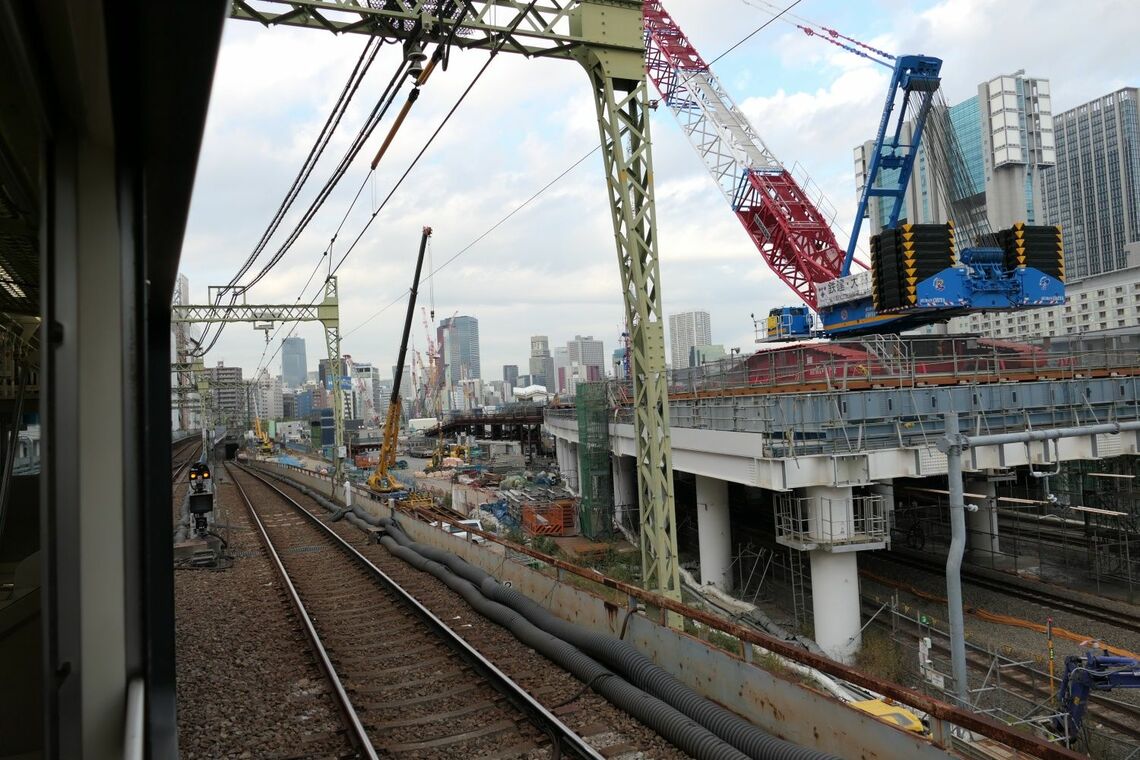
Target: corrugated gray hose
622 657
669 723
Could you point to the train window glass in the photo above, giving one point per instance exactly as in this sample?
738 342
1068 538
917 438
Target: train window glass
22 172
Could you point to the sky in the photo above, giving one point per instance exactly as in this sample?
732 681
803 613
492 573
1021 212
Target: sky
551 269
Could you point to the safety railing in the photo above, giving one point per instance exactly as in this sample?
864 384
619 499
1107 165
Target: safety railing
808 522
842 365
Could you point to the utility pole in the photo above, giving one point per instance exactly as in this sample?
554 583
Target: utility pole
953 445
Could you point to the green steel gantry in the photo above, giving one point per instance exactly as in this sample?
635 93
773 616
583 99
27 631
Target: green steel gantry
265 317
606 37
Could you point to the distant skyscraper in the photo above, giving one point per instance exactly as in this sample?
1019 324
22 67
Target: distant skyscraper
619 364
458 340
268 392
688 329
511 374
541 362
229 395
561 362
1017 140
294 362
365 382
1094 190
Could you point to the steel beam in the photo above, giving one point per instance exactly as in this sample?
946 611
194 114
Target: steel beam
621 100
607 38
545 29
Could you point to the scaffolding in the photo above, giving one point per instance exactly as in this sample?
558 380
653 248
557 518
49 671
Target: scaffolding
1080 526
596 483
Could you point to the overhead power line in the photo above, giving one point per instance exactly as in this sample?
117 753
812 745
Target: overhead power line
462 96
359 70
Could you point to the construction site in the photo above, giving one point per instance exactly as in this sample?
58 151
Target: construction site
895 515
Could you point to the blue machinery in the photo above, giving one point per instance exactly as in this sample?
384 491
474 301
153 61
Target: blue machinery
915 277
1084 675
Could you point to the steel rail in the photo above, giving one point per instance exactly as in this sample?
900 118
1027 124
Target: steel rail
357 734
1108 615
942 713
178 469
1023 677
565 739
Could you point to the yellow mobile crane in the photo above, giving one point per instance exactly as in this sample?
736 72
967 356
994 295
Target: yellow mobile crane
381 481
265 446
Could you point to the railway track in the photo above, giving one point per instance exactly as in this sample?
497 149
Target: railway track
1122 718
404 681
1109 614
184 453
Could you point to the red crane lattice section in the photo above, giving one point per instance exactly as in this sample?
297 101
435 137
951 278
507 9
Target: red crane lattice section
791 234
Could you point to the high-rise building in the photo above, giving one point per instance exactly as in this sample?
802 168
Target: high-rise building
541 362
1093 192
1017 144
588 353
585 362
618 364
688 329
228 392
458 341
383 390
1004 136
325 383
324 378
269 402
510 374
561 363
294 362
365 383
303 404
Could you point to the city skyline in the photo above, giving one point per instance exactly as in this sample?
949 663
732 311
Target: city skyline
810 103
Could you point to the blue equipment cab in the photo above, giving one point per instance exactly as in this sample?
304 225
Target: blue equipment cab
788 323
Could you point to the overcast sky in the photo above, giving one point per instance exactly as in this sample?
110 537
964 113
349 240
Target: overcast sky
552 268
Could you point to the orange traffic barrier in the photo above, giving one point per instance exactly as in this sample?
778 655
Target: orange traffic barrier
555 518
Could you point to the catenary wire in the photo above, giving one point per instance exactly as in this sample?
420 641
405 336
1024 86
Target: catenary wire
521 206
359 70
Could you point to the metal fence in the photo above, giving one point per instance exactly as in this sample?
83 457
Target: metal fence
1013 690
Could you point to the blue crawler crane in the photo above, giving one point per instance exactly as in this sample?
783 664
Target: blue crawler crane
919 274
